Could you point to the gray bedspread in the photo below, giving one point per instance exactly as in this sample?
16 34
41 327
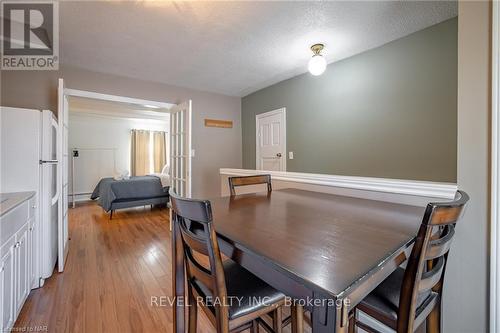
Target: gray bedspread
135 188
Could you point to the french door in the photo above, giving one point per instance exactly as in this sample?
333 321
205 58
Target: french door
180 148
62 226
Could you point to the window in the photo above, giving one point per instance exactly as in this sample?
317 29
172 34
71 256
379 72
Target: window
148 151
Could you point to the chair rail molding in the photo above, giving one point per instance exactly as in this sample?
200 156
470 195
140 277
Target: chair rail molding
397 186
495 174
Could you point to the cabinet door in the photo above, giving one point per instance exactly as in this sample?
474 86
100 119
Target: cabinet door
32 253
7 288
22 268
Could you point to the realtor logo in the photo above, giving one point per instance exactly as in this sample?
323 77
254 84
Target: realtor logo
30 35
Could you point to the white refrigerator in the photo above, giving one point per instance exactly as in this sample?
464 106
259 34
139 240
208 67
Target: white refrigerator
28 162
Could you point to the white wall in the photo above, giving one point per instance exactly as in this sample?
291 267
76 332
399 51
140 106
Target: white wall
466 287
215 147
93 131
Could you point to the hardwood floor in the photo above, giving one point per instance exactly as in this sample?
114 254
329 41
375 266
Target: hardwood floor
113 269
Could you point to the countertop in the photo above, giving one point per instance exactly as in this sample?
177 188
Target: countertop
9 201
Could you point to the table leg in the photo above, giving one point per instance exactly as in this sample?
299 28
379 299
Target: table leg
342 316
178 281
327 317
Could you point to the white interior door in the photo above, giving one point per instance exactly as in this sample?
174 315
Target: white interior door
62 226
180 148
271 140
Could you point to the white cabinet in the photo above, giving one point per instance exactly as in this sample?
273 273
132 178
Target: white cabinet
18 262
7 285
32 250
21 259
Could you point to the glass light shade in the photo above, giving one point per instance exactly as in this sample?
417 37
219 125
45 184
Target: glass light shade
317 65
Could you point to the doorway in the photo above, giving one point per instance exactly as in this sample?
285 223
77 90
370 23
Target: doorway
179 132
100 141
271 140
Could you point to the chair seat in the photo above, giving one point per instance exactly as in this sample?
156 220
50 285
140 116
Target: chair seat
247 292
383 302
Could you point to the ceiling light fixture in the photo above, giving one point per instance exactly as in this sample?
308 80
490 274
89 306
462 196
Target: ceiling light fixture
317 64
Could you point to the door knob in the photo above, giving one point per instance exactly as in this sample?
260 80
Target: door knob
278 154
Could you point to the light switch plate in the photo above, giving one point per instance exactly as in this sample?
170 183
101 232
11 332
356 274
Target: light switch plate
290 155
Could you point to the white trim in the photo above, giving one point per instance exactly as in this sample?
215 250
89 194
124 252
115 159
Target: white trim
190 149
495 175
397 186
282 112
181 148
115 98
126 114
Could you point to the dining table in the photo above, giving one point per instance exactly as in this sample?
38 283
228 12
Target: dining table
325 251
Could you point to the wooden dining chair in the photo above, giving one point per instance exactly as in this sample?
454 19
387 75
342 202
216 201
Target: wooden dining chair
410 297
296 312
249 180
232 298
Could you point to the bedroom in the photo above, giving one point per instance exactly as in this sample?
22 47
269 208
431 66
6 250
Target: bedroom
355 118
120 141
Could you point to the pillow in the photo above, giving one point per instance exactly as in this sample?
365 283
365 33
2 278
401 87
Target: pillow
120 174
165 170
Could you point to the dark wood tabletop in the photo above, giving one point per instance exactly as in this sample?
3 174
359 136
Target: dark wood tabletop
328 240
310 245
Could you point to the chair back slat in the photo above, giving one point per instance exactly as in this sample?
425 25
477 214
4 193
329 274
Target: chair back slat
249 180
445 215
194 242
427 263
431 278
195 210
441 213
441 246
200 273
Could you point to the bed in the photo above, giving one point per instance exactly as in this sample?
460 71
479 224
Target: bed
112 194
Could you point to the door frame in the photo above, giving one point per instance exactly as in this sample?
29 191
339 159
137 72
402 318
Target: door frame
67 92
115 98
62 122
188 155
495 174
259 116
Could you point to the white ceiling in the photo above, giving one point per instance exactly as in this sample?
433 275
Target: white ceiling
232 48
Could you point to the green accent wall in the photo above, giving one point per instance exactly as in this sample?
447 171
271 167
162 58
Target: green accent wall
388 112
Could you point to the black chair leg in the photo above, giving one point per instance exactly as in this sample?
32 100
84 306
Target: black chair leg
111 215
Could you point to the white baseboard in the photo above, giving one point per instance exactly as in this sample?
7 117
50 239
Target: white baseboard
78 198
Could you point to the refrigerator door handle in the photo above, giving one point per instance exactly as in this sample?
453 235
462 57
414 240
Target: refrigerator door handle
48 161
